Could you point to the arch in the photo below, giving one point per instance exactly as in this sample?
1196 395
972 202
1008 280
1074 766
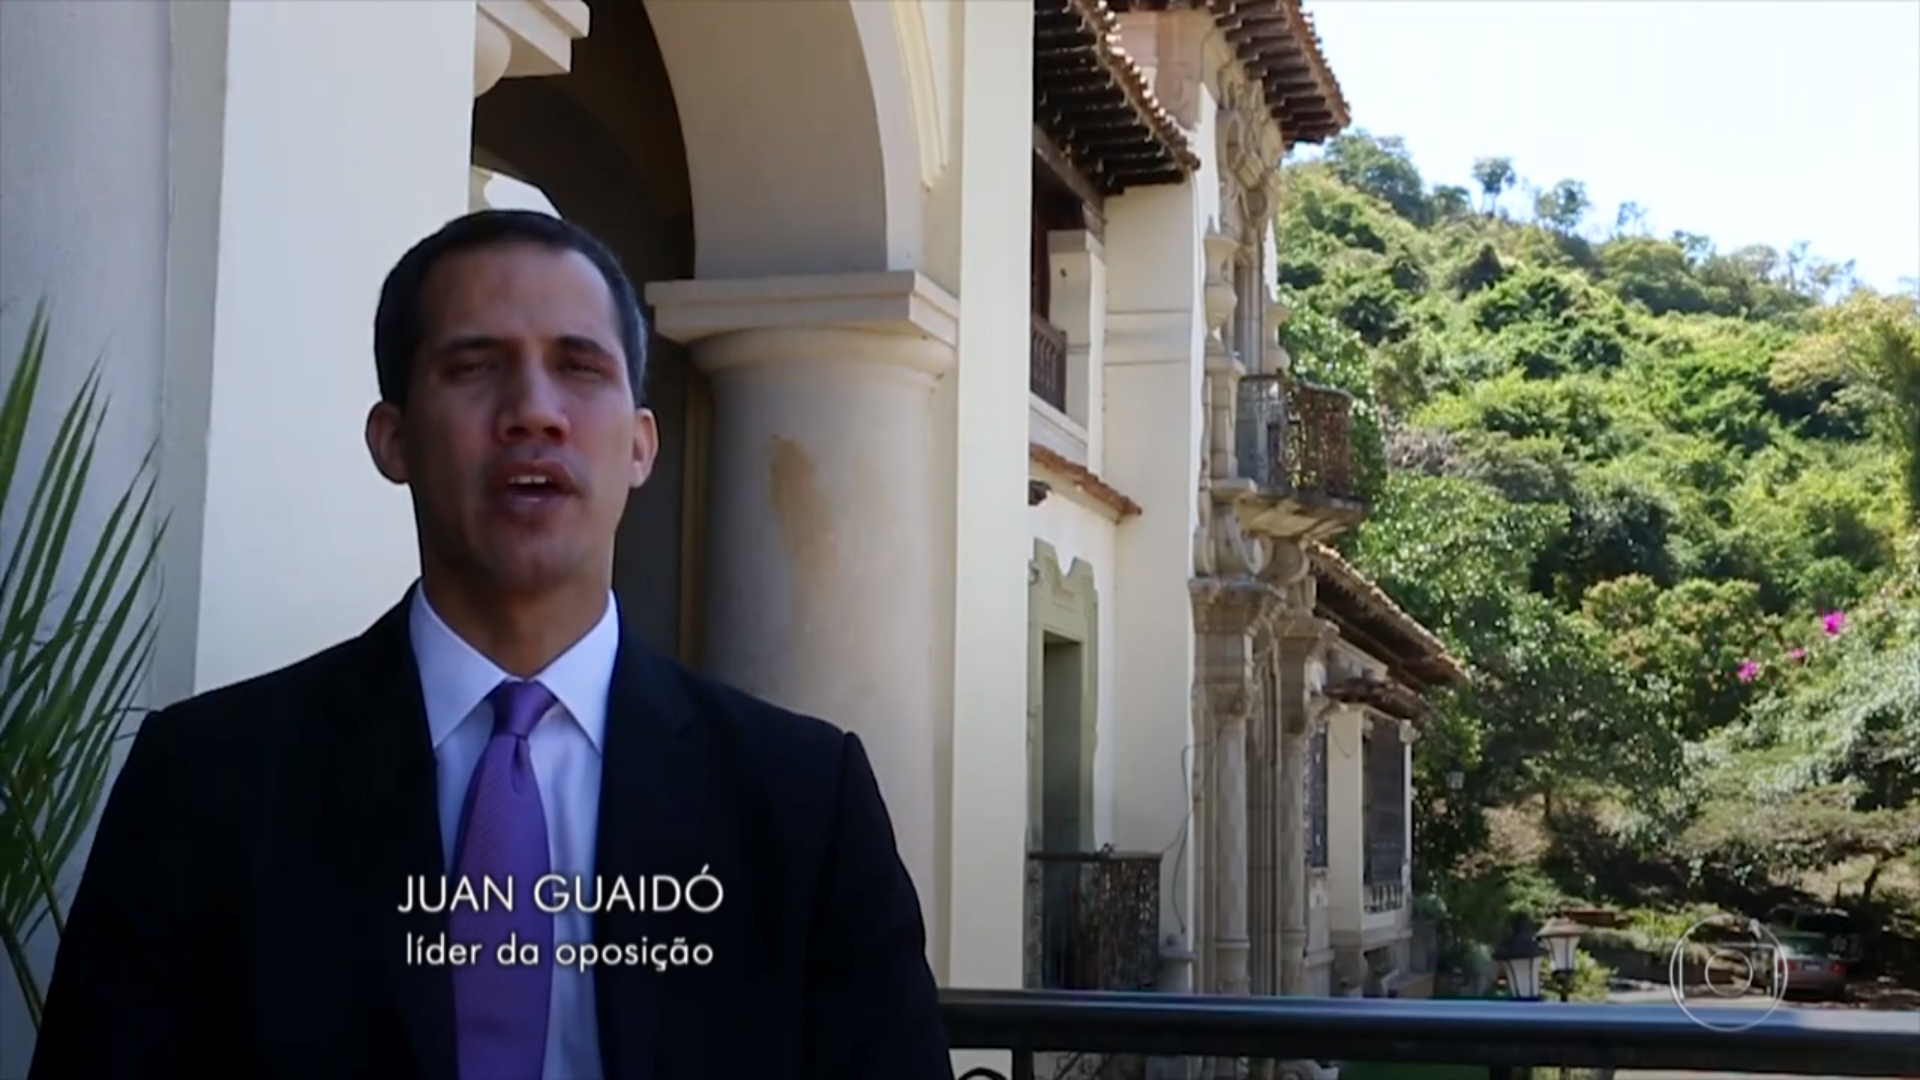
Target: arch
723 140
602 145
802 150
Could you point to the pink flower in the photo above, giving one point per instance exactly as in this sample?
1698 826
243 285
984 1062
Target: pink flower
1833 622
1796 654
1749 671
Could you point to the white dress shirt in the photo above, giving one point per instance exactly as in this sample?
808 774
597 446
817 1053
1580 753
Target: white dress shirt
566 748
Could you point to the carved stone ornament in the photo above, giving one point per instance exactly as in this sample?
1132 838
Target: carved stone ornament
1221 251
1242 123
1277 360
1231 703
1203 561
1289 565
1237 553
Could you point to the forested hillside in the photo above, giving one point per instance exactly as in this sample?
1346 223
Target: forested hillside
1666 502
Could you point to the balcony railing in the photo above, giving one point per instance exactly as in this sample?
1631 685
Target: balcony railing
1047 363
1504 1036
1384 896
1097 920
1295 437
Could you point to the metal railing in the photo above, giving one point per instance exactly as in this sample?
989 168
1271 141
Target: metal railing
1047 363
1294 436
1503 1036
1094 920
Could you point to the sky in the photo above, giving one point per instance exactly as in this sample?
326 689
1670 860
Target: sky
1748 121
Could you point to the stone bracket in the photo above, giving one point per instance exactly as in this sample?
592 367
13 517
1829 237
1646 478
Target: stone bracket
541 33
519 38
902 302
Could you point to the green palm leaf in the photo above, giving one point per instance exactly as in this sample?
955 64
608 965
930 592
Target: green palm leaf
76 636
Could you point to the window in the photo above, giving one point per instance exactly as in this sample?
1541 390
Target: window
1317 798
1385 800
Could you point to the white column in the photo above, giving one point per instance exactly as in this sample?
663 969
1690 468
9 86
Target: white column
821 593
1409 734
1150 449
1346 823
991 537
1077 261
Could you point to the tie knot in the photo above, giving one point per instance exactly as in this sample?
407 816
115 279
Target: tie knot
517 706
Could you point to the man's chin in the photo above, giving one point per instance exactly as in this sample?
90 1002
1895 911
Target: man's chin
533 572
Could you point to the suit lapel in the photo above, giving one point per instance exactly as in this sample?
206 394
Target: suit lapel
645 781
390 830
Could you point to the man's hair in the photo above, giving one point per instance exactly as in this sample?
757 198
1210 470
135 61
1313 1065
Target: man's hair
399 324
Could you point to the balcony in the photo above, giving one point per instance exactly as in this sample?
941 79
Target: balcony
1294 441
1047 363
1093 920
1508 1038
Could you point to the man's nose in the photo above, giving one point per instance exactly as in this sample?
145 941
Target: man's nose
532 403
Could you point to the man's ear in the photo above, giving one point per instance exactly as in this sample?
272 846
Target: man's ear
646 446
386 439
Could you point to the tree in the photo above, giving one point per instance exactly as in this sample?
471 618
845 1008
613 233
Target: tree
1495 176
1630 219
1869 346
1563 206
1451 201
1776 840
1383 169
1630 479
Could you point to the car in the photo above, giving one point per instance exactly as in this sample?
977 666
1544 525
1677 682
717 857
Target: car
1841 929
1811 967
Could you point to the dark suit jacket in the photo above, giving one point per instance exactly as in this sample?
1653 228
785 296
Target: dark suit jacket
238 916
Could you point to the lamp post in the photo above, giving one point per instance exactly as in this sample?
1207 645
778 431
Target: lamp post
1562 938
1519 957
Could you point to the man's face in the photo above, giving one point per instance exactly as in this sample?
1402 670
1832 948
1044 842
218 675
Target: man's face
520 438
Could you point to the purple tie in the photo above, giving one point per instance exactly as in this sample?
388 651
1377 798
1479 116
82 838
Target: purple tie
500 1011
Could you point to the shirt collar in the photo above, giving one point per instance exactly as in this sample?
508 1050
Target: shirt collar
455 678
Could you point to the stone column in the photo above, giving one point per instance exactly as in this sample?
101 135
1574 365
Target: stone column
823 544
1229 615
1231 943
1299 643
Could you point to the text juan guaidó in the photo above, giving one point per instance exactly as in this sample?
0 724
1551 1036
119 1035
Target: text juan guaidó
555 893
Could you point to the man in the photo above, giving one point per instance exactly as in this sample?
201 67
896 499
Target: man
276 886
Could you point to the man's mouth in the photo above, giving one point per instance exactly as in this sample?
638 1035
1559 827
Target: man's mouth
532 486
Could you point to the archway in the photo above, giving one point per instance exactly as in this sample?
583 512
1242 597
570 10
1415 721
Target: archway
620 172
718 141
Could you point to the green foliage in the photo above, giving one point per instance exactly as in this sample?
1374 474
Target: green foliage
1621 469
73 651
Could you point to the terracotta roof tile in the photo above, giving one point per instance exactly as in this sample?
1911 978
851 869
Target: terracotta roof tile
1083 478
1095 101
1430 658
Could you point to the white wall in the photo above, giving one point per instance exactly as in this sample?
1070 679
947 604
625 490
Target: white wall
323 182
212 206
1077 531
1152 453
83 218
